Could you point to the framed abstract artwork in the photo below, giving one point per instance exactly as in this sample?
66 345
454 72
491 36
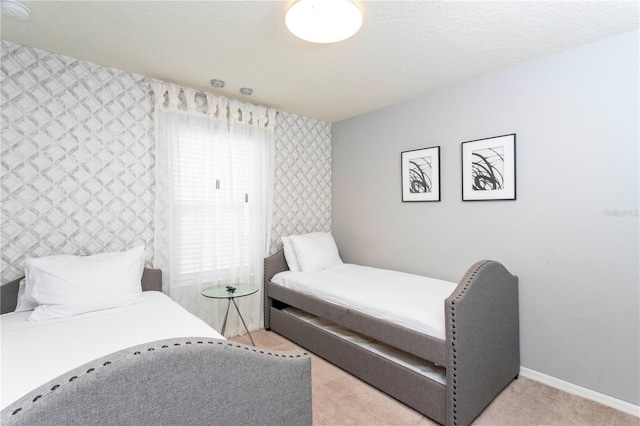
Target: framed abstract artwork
421 174
489 169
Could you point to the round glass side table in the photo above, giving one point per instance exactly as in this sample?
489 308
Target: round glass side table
231 292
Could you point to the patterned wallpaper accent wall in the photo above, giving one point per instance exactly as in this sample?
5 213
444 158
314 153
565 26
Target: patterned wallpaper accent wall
302 183
77 161
77 158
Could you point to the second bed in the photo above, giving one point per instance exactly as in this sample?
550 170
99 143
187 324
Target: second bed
445 349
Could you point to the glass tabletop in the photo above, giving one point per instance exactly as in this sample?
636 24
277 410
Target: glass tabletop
220 291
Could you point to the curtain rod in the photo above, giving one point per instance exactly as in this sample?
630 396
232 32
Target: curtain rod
202 94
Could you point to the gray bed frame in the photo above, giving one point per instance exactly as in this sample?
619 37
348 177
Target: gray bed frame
481 352
188 381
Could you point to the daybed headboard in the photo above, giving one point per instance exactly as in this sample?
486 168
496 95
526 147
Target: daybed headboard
151 281
272 265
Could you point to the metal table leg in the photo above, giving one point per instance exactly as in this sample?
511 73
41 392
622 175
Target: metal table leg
226 316
241 319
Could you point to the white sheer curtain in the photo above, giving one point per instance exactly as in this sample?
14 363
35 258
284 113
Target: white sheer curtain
214 185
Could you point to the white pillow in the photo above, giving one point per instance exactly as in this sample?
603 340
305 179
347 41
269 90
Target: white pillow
71 285
290 254
316 251
25 302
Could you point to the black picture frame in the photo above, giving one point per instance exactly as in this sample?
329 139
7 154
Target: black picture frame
420 174
489 168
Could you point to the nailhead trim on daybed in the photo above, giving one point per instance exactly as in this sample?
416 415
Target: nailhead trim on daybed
151 349
453 338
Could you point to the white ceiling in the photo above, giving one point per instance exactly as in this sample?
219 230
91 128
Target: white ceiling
405 49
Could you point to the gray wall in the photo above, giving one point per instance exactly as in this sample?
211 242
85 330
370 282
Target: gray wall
572 234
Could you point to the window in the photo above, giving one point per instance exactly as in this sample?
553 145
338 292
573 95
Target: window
214 183
214 193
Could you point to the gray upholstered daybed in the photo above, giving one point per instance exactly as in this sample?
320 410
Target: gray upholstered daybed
480 353
186 381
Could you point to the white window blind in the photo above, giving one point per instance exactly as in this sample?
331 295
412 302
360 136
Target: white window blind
214 192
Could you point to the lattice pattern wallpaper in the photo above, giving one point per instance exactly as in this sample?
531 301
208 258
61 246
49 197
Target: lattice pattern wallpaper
77 161
77 158
302 184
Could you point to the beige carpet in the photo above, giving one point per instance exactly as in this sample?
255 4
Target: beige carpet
341 399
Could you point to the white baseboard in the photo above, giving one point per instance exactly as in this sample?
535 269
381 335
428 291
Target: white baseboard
610 401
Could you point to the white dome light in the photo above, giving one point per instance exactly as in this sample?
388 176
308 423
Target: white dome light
323 21
14 9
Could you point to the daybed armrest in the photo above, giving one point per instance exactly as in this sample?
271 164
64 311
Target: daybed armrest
189 381
483 349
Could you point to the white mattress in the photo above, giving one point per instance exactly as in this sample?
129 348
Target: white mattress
407 300
34 352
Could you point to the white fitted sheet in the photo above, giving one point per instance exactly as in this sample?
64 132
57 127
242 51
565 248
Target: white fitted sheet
411 301
413 363
34 352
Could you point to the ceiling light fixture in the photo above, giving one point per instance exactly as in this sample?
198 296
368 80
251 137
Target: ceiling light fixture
323 21
16 10
246 91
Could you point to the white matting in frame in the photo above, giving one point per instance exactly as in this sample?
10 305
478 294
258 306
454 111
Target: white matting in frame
489 169
421 174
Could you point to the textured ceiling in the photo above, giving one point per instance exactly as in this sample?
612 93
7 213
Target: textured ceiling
405 49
